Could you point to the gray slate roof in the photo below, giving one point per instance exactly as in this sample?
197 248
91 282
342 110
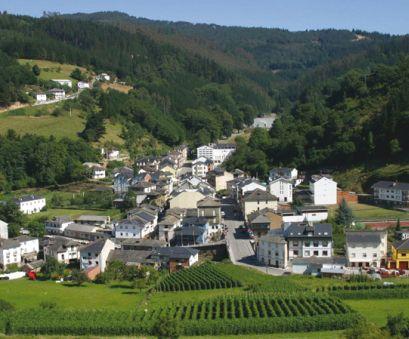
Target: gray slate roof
176 252
402 245
301 230
392 185
94 247
130 256
259 195
363 237
8 244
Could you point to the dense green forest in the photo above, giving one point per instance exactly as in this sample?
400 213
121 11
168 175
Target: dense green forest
361 118
341 95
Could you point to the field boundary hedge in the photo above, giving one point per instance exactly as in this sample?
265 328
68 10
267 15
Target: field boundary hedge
369 291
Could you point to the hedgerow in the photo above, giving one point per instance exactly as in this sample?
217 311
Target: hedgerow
369 291
203 277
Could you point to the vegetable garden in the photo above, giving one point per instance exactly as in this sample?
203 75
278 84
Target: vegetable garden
239 314
204 277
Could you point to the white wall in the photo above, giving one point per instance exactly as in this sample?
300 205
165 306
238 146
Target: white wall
32 206
282 189
4 233
325 191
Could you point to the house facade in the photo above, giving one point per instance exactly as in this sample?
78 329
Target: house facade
272 250
30 204
323 190
201 166
10 253
64 250
283 172
57 225
186 199
29 247
366 248
4 230
96 254
63 82
41 97
218 179
210 208
282 189
256 201
98 172
308 240
176 258
400 255
391 192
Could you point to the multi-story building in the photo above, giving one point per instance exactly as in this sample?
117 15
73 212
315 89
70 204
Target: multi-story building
272 250
57 225
323 190
400 255
4 230
95 254
391 192
256 201
308 240
282 189
30 204
201 166
283 172
10 252
218 178
366 248
210 208
63 249
218 153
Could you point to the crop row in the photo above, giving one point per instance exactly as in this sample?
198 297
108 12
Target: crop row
251 313
205 276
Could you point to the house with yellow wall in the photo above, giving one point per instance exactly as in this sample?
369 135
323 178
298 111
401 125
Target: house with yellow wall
400 255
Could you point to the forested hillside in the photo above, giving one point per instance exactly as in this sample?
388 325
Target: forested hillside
359 118
171 83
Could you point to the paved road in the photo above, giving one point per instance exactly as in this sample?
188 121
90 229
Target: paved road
240 249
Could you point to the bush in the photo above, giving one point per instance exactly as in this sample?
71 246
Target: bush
48 305
5 306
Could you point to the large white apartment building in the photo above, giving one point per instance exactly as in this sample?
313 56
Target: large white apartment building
282 189
30 204
218 153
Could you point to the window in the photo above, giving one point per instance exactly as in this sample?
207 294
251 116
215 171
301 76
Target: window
307 243
307 253
374 255
325 243
295 252
315 252
295 243
316 243
353 255
89 254
325 253
364 255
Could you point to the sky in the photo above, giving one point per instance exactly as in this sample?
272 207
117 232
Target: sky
386 16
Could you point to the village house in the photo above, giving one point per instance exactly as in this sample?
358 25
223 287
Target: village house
283 172
323 190
257 200
167 227
57 225
64 250
147 215
186 199
122 180
139 244
136 258
201 166
41 97
98 172
175 258
262 221
308 240
366 248
218 153
85 232
103 77
4 230
150 161
218 178
103 221
272 250
63 82
95 255
194 231
30 204
132 229
210 208
10 253
243 186
57 93
83 85
391 192
282 189
29 247
400 255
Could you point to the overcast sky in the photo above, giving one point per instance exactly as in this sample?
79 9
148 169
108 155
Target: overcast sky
387 16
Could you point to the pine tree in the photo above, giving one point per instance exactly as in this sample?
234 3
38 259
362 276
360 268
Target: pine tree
344 215
397 228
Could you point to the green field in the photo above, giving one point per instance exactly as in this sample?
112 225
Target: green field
27 294
52 70
371 212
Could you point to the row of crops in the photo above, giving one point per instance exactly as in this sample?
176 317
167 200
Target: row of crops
245 314
204 277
